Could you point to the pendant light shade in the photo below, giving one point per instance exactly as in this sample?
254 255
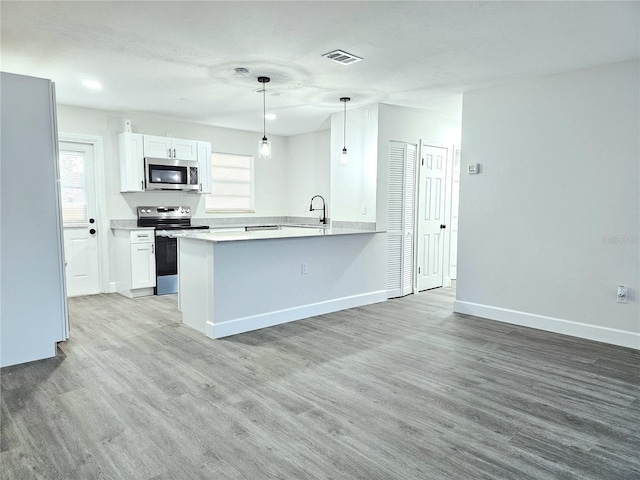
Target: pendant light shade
264 145
344 158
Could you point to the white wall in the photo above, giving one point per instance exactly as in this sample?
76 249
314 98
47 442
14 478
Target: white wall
308 172
549 228
354 184
270 177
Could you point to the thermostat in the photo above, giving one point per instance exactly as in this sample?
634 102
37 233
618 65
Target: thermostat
473 168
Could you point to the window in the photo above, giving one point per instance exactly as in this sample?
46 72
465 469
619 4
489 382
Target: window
232 183
72 189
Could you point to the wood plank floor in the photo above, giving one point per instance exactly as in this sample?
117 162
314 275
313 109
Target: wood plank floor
399 390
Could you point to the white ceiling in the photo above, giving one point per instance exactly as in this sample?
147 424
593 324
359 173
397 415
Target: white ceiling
177 59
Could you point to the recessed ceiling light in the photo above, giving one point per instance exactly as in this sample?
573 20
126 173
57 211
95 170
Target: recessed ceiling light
92 85
270 116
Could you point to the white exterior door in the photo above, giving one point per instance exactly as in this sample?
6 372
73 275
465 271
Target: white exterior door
401 218
77 192
431 222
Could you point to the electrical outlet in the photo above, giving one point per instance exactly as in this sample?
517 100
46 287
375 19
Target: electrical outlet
623 294
304 269
364 209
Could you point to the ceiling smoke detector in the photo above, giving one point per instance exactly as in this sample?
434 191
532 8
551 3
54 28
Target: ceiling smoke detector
241 72
342 57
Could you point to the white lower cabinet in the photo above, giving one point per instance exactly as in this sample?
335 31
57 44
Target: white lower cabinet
143 265
135 262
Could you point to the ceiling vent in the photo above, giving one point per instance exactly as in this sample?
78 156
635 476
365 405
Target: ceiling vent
342 57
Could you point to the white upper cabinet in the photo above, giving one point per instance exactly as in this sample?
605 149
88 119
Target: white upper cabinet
157 147
165 147
131 162
134 147
184 149
204 166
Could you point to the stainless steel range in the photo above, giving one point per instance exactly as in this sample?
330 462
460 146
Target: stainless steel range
169 223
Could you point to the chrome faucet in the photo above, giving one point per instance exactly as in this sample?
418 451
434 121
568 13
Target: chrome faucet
323 219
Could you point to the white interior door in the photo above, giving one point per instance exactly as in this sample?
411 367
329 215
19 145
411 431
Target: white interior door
431 222
80 224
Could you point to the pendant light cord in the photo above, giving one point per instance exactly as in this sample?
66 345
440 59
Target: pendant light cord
344 136
264 81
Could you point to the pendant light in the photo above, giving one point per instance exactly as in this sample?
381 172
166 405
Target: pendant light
343 155
264 145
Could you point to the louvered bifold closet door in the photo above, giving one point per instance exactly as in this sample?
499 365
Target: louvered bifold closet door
408 219
395 209
400 220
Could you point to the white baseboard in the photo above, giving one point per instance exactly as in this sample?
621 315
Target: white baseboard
269 319
613 336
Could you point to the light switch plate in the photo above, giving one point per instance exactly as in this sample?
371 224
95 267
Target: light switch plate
473 169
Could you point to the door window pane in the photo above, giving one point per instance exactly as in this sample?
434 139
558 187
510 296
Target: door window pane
72 189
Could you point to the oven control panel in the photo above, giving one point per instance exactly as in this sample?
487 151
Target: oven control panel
164 212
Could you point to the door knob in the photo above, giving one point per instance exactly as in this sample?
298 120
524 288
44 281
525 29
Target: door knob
92 231
443 226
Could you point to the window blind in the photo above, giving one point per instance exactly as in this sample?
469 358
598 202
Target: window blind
232 184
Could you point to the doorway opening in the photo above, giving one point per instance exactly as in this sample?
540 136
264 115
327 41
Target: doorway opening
422 223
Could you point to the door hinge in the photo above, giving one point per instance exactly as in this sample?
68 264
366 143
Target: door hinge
423 161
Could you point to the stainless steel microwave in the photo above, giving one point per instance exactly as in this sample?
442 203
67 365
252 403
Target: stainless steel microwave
171 174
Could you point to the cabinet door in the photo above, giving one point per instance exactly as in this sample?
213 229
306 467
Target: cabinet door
143 265
204 166
131 162
184 149
157 147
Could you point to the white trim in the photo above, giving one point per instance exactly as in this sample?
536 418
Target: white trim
622 338
97 143
277 317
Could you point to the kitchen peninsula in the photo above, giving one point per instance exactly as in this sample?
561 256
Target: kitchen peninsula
234 282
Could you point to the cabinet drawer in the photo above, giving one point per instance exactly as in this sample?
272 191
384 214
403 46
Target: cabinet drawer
142 236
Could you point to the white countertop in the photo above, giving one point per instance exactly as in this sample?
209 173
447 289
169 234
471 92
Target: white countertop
283 232
124 227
